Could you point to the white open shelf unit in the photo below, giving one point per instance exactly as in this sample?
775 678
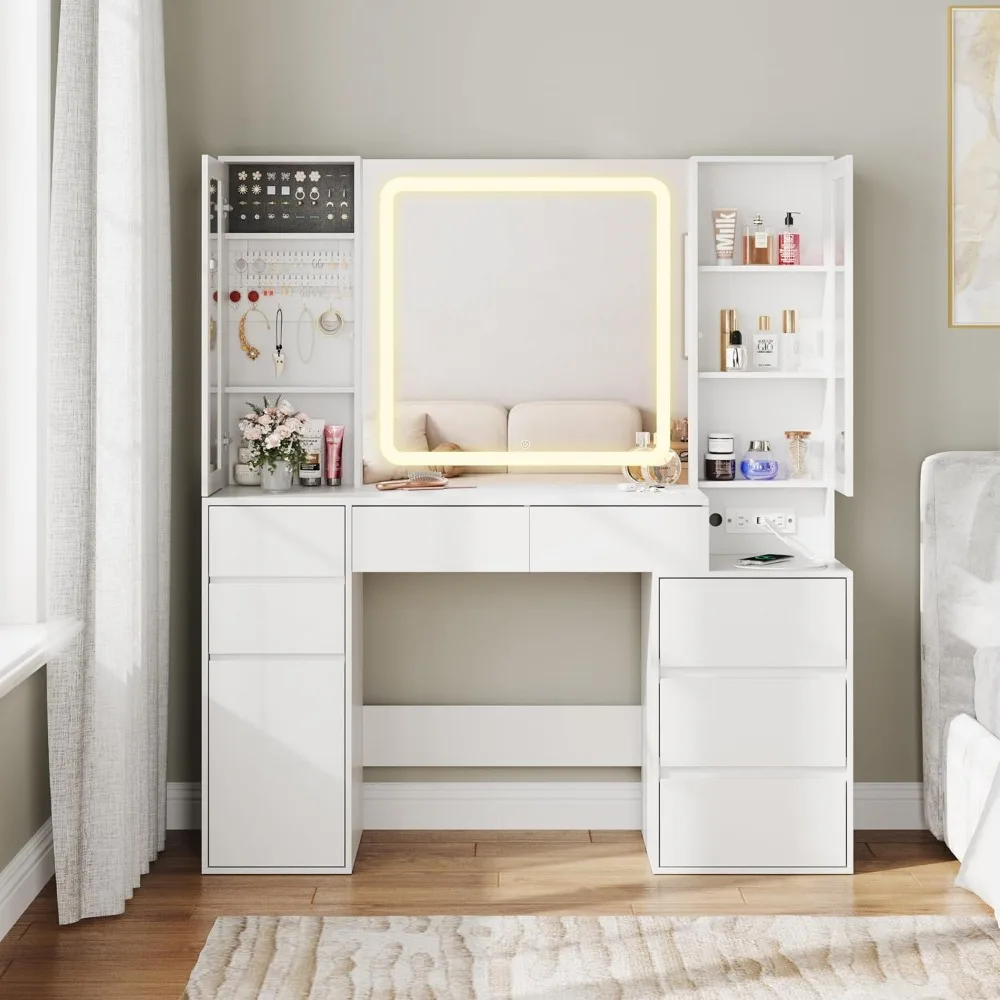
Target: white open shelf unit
302 274
755 404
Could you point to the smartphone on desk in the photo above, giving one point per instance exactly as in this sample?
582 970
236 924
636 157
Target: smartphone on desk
766 559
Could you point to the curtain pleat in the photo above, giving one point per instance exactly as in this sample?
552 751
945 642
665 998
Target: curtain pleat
108 475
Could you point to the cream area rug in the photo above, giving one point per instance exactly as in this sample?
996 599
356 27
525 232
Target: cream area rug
599 958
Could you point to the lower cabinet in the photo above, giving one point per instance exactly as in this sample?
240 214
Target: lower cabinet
276 782
761 822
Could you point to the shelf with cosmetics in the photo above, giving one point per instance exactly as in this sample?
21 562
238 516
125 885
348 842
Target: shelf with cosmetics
280 309
770 380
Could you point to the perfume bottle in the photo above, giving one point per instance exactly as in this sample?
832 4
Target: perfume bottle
765 345
758 243
634 473
727 323
798 454
759 462
666 474
736 354
789 242
791 357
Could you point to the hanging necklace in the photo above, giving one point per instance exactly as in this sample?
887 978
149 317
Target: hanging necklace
279 358
300 341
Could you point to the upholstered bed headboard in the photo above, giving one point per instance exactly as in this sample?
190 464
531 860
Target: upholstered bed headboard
959 580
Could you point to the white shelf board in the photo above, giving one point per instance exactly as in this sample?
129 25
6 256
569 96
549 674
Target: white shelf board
770 268
725 376
253 237
322 390
765 484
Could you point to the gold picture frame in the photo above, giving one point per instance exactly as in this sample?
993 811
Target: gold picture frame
973 167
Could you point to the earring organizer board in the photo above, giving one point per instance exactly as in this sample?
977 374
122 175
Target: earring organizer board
526 296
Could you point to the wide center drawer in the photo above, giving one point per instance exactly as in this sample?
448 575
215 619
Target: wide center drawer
265 617
754 622
613 539
753 722
446 539
275 541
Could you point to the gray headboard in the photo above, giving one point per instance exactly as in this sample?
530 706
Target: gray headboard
959 554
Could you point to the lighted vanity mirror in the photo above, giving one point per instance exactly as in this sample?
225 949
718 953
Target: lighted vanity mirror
541 289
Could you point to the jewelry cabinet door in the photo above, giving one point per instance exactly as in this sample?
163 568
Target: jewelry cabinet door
214 303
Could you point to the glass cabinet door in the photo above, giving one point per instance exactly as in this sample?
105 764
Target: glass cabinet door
214 313
840 186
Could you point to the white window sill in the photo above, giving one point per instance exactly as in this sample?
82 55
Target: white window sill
26 648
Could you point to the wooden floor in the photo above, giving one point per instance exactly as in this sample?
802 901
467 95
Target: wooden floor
147 953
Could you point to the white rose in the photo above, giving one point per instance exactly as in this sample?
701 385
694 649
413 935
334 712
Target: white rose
253 432
264 420
272 441
284 432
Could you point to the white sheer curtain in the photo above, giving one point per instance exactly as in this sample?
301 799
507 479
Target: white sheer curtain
108 431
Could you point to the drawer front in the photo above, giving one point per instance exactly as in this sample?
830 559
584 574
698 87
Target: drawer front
276 763
780 822
619 539
275 541
759 622
754 722
266 617
440 539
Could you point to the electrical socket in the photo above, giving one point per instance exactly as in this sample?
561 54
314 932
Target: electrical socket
751 522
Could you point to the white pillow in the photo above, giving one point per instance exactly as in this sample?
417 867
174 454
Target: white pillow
410 435
986 664
980 871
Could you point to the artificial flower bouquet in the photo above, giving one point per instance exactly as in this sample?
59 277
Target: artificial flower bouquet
273 433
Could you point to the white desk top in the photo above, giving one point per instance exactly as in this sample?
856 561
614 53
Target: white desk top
513 490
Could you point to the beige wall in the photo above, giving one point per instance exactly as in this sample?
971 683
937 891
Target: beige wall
24 778
634 78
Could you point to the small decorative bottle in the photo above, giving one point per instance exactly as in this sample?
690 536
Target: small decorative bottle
666 474
634 473
727 323
790 243
765 345
759 462
759 247
736 354
791 357
798 454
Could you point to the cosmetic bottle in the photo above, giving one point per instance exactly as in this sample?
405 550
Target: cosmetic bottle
758 243
736 354
759 462
789 243
724 227
790 344
765 345
727 323
720 458
666 474
634 473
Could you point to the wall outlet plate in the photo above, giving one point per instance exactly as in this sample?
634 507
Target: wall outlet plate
752 522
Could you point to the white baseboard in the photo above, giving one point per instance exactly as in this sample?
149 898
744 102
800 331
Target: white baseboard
25 877
881 805
183 805
538 805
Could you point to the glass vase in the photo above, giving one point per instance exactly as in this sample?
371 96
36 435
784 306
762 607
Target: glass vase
278 479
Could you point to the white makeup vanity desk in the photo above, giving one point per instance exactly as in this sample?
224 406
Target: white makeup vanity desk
744 731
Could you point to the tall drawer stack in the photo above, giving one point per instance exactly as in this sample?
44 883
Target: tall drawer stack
274 690
754 724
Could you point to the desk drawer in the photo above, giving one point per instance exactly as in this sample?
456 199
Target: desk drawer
732 822
266 617
275 541
754 722
619 539
442 539
758 622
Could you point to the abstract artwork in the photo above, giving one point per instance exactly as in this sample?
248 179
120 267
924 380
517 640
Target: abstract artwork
974 166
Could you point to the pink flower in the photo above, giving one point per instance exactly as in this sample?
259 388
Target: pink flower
284 432
253 433
272 441
264 420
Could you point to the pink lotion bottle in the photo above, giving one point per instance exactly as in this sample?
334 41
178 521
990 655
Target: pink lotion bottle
790 243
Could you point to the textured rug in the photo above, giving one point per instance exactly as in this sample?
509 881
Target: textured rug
593 958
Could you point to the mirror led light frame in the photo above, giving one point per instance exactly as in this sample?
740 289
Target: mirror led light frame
648 186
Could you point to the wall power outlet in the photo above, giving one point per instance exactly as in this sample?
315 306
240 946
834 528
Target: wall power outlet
752 522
